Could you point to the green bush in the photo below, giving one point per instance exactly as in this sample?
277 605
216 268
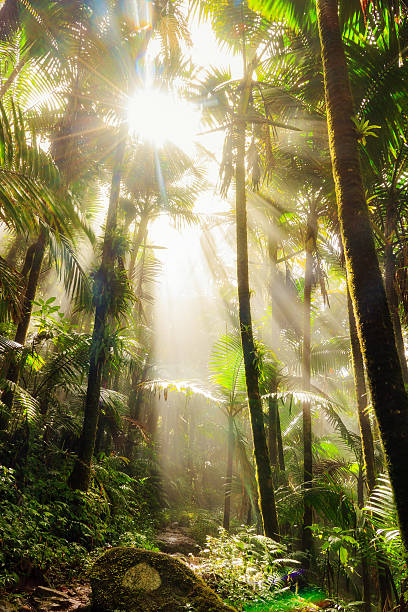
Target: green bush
46 528
244 567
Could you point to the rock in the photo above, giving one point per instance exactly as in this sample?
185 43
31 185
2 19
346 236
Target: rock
136 580
175 540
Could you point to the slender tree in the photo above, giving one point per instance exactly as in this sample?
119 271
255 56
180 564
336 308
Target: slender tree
103 292
263 466
310 247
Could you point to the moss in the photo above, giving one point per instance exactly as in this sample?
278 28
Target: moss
161 584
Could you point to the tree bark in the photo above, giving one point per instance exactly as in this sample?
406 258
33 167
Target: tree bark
367 444
367 441
393 303
310 245
367 291
81 472
273 431
280 447
263 466
365 570
390 229
228 476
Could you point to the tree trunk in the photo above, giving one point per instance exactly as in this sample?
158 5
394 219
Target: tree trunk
370 304
263 466
310 244
228 476
367 444
81 472
365 570
138 237
275 440
390 229
393 303
273 432
367 441
280 447
135 405
32 268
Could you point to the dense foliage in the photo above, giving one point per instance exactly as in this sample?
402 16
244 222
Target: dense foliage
203 293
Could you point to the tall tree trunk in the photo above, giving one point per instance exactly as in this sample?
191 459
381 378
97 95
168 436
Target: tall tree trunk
367 441
310 245
274 431
390 230
367 444
370 305
138 237
228 476
280 447
263 466
80 475
135 405
393 303
365 570
32 268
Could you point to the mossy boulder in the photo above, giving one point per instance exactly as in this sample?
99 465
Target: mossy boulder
137 580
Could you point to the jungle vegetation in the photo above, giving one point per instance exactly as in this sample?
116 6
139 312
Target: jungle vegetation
204 292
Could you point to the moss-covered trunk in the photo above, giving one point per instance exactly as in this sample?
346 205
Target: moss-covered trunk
310 244
80 475
367 444
263 466
367 291
393 303
228 475
366 434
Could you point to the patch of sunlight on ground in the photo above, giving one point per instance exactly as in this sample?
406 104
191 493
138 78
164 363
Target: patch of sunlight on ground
287 601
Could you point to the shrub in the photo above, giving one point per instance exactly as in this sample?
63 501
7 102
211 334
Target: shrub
244 567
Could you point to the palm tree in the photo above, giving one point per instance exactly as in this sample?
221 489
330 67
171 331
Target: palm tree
105 280
242 112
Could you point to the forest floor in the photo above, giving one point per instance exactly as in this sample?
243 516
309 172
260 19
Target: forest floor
174 540
76 595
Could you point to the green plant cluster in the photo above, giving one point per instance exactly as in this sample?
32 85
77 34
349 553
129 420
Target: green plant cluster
245 567
48 531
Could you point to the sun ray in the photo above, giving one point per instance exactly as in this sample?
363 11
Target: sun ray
158 116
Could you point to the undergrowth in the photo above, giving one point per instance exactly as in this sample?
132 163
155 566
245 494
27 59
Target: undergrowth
47 531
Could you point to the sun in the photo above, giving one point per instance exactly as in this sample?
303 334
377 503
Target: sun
158 117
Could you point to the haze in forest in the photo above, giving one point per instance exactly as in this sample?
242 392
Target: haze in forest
203 305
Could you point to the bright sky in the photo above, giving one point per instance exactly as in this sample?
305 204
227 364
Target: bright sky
204 53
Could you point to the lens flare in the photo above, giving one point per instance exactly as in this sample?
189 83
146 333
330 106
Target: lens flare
158 117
